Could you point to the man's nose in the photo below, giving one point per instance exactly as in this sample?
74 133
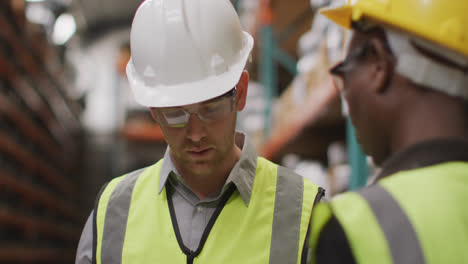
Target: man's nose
195 128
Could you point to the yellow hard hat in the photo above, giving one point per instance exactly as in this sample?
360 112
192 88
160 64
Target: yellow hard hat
442 21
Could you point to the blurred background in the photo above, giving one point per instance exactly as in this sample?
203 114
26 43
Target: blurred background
69 122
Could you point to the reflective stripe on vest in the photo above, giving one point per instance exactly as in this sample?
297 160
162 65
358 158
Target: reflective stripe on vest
402 241
293 202
116 219
286 218
369 218
414 216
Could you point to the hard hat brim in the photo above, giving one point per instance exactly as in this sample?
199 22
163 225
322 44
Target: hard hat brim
446 30
340 15
189 93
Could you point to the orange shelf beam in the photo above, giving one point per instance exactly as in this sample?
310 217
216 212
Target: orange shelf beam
143 131
317 100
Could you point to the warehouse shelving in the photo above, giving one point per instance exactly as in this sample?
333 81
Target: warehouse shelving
143 130
297 121
302 131
40 134
279 24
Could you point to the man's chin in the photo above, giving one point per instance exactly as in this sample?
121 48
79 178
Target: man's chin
202 173
200 168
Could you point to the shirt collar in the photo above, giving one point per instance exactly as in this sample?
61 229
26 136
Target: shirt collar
242 174
425 154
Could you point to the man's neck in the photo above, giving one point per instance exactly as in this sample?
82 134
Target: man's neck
423 123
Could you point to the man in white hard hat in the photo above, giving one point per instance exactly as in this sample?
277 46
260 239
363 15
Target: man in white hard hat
210 199
405 80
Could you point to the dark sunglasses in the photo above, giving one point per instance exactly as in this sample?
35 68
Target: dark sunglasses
348 64
350 61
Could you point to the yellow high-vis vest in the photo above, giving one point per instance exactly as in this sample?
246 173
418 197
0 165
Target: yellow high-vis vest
135 224
416 216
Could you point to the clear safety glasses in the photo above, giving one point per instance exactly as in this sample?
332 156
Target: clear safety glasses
209 111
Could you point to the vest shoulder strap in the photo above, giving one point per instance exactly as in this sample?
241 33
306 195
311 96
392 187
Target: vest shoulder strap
399 233
376 226
295 197
116 194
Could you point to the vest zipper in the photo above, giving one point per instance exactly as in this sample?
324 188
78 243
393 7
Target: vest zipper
191 255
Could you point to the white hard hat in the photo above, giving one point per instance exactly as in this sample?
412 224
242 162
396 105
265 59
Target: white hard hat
185 51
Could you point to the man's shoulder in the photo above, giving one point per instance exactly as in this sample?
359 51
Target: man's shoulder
279 170
131 177
288 176
288 172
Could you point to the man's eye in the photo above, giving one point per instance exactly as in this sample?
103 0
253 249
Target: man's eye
211 108
174 114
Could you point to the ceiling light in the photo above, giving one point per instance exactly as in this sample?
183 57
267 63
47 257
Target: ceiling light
39 14
64 28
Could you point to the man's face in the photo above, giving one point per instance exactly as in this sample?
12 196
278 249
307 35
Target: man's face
200 148
358 89
204 144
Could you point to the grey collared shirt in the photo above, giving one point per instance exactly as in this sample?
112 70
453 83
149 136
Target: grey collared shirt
192 214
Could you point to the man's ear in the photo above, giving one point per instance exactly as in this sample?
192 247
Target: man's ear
383 65
242 87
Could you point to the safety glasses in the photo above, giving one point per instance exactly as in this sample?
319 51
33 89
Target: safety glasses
338 71
209 111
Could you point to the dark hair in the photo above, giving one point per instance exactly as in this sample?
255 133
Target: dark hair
371 29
